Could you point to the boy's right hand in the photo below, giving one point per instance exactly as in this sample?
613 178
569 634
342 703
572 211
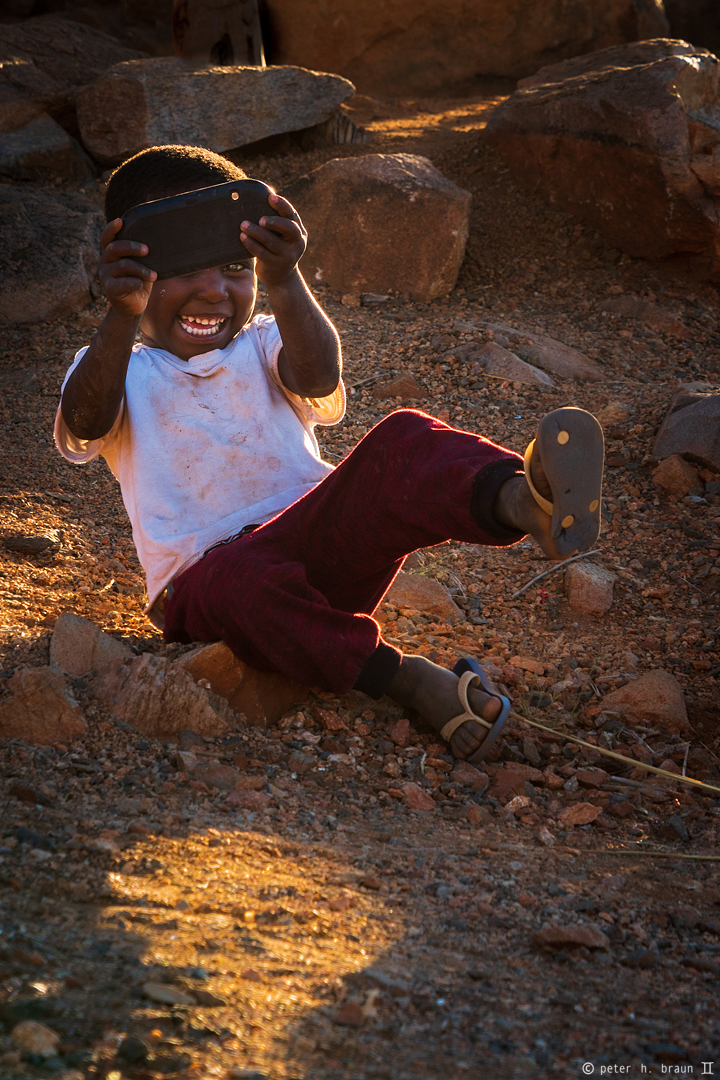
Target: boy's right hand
126 282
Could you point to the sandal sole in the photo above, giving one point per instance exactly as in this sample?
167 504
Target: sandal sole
572 452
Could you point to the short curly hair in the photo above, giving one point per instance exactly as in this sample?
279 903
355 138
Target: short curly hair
161 171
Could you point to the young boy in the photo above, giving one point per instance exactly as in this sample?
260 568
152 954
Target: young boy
244 533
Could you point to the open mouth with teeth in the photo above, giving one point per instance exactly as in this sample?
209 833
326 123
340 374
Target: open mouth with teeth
197 326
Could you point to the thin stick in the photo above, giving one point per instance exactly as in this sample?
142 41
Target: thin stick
617 757
558 566
630 851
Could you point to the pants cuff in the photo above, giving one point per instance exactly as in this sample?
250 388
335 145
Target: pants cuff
486 486
378 671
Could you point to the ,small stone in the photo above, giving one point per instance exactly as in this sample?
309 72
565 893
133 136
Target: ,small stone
676 475
185 760
341 903
260 696
592 778
498 363
416 798
477 815
370 881
132 1050
507 782
400 732
28 545
571 937
249 800
40 708
215 775
545 837
78 646
692 425
675 829
655 698
589 588
32 1037
350 1015
579 814
614 413
164 994
466 775
257 783
402 386
549 354
301 763
160 699
421 593
25 793
210 1001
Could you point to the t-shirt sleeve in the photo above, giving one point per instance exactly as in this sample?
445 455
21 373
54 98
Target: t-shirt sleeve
79 451
326 410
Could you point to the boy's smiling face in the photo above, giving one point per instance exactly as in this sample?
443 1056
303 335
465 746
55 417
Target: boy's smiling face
199 312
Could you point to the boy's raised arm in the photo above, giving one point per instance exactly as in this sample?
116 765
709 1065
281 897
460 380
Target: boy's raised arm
310 362
94 392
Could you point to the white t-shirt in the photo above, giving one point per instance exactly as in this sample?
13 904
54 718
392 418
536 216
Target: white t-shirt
206 446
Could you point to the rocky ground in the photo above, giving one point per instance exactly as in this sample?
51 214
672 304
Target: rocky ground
154 925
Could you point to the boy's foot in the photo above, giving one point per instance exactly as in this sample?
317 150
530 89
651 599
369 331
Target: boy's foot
433 692
558 499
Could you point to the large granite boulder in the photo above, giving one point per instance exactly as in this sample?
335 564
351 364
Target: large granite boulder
49 247
629 140
367 220
169 100
42 151
44 61
692 426
391 47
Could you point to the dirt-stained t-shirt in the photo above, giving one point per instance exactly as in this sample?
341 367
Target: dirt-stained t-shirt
206 446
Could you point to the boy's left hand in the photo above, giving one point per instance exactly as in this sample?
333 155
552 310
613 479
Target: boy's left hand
277 242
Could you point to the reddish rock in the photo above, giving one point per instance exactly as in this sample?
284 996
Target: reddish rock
402 386
160 699
47 59
415 47
510 781
421 593
165 99
692 425
613 414
478 815
579 814
250 783
367 223
528 663
350 1015
466 775
589 588
571 937
25 793
656 698
657 318
78 646
499 363
59 232
624 138
676 476
549 354
249 800
261 696
328 718
301 763
40 708
417 799
400 732
215 775
591 778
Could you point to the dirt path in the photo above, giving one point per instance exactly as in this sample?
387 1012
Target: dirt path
338 933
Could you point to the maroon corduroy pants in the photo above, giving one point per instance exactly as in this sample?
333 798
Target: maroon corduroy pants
297 594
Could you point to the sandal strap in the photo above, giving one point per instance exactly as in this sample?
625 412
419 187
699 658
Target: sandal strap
542 502
451 727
